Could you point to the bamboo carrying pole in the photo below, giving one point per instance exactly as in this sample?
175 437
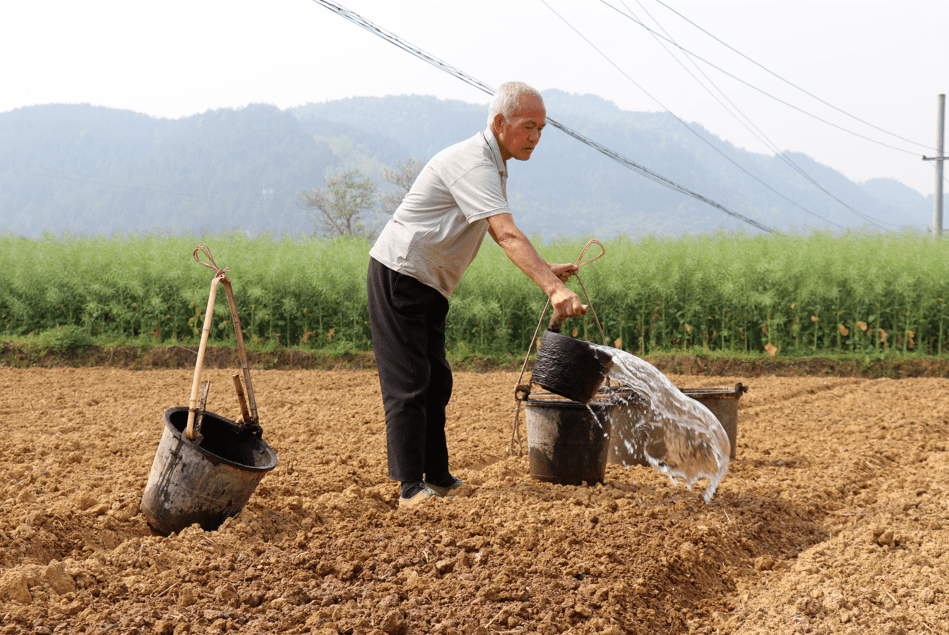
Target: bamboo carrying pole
238 333
248 418
245 415
199 365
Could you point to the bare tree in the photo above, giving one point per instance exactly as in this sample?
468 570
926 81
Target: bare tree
341 207
402 178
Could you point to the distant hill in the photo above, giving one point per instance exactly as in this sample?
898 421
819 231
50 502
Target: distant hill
94 170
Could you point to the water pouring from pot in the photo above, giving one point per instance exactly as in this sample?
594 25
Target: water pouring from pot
570 426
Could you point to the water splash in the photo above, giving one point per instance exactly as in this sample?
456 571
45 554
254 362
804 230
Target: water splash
675 434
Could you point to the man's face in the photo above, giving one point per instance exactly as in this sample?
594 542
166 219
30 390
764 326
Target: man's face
519 135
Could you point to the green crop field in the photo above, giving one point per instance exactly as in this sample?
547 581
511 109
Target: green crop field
788 294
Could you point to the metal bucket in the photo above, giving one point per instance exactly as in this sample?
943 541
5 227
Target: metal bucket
567 441
723 402
205 483
631 441
570 367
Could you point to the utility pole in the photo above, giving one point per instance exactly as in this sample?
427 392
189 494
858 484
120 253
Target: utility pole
939 158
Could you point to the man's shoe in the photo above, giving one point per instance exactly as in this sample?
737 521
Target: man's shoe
419 498
445 491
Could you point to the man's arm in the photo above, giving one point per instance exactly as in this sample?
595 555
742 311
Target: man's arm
519 249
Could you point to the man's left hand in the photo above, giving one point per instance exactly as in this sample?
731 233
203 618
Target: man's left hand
563 271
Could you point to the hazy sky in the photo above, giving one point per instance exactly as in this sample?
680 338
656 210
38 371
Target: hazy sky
882 62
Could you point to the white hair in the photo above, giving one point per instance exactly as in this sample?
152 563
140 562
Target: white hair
507 98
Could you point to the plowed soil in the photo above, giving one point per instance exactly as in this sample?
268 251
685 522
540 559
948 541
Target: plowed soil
833 518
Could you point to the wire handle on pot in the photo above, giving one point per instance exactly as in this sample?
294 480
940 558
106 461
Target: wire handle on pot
522 392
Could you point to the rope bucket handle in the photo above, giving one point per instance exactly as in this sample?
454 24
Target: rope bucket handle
522 392
213 265
592 241
219 277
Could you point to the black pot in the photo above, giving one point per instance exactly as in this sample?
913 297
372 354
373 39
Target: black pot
570 367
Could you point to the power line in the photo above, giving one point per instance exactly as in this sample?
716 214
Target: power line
394 39
793 85
653 176
753 87
757 132
687 126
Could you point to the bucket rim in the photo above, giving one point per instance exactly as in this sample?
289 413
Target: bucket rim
724 393
547 399
179 436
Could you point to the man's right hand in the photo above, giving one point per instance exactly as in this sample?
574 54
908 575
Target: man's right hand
522 253
567 304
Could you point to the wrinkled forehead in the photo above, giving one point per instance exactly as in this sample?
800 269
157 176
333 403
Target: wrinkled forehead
529 105
530 108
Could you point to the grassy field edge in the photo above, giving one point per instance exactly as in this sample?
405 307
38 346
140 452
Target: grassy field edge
894 366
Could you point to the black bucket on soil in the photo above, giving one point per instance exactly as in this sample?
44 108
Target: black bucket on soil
567 441
206 482
570 367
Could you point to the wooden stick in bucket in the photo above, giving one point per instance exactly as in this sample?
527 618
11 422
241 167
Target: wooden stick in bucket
245 414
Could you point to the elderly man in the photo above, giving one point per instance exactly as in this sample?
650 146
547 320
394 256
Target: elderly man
418 261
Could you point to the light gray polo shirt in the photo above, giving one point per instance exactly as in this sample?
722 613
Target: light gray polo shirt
437 230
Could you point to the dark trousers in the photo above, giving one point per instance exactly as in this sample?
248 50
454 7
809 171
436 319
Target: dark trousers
407 319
